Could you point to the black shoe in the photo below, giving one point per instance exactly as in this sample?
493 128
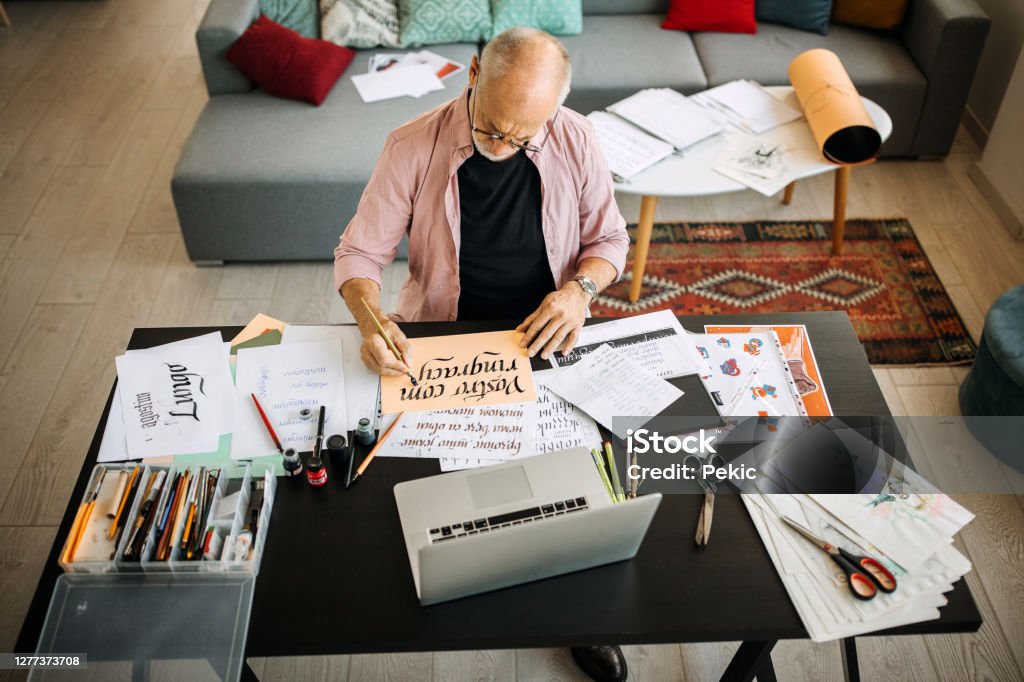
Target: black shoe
601 663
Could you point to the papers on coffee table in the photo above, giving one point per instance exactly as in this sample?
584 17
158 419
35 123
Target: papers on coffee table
627 149
767 163
746 105
669 116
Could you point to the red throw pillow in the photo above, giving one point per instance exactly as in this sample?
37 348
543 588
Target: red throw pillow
723 16
286 64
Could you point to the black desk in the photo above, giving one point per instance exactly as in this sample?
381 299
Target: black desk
670 592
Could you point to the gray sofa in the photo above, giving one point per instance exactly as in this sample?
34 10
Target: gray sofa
262 178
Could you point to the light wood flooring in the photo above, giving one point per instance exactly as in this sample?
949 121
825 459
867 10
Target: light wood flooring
96 99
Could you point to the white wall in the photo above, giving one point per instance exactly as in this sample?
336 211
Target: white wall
1000 172
997 60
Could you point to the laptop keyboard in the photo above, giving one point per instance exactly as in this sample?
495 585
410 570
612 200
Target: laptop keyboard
464 529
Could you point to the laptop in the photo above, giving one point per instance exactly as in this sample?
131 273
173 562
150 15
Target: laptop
484 529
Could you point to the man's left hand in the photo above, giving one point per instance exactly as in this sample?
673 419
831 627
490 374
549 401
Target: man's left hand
558 320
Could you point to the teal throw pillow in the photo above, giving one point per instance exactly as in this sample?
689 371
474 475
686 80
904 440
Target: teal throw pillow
429 22
300 16
558 17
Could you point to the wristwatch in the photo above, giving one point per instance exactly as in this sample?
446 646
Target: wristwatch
587 285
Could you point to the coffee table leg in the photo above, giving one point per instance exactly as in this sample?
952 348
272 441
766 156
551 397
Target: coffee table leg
643 243
839 209
787 198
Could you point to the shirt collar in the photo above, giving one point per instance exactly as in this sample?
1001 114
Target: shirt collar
461 133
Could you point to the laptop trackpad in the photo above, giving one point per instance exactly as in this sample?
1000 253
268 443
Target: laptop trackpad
499 487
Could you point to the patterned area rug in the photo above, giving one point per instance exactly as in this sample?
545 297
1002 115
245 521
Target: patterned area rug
883 280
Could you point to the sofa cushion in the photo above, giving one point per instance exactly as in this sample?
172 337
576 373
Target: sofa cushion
884 14
617 55
299 15
557 18
625 7
807 15
428 22
359 23
878 64
286 64
724 16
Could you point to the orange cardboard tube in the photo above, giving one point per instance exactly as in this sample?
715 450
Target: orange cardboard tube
841 125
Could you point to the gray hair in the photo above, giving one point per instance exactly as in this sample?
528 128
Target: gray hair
501 53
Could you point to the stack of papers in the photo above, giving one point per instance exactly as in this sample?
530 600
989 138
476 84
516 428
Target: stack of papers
746 105
412 74
669 116
911 532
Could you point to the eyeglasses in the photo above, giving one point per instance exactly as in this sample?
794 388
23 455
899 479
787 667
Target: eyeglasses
502 137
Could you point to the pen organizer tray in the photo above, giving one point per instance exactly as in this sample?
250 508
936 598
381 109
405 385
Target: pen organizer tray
195 523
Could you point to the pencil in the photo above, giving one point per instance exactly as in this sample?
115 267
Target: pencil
266 422
387 339
596 454
373 452
124 501
614 471
82 518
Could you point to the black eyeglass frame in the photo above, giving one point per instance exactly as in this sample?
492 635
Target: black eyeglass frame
502 137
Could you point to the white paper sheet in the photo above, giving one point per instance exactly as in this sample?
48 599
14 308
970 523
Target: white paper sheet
668 115
362 387
747 105
608 383
627 149
176 398
787 153
655 340
412 81
909 524
287 378
493 433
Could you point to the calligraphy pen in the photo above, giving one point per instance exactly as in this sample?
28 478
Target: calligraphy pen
387 339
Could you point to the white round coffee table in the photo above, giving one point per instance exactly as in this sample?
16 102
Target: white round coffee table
691 174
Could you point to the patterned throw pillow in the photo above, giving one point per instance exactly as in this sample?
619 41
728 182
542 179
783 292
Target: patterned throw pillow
298 15
558 17
428 22
360 23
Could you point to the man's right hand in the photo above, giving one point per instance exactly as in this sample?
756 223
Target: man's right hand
377 355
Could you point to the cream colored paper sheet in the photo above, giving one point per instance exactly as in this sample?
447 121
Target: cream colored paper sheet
466 370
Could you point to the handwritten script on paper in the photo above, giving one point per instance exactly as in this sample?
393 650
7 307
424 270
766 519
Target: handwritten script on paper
495 433
607 383
175 397
467 370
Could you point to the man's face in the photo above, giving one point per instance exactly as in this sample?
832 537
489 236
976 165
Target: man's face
512 106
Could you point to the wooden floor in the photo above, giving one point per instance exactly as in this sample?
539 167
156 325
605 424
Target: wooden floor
96 99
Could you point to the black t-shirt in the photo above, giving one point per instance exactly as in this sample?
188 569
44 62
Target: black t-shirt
503 263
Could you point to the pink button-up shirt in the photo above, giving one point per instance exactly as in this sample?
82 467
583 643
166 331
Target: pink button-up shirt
414 190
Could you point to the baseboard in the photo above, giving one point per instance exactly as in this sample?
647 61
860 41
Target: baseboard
974 128
1006 214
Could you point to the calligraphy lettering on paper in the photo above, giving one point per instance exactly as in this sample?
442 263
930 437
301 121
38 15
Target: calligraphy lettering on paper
485 374
183 382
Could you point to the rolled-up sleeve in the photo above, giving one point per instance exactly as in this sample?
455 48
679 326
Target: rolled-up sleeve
371 239
602 227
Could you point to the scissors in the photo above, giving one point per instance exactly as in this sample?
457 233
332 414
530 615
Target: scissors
707 508
864 575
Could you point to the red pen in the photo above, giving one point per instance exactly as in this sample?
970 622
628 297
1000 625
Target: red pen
266 422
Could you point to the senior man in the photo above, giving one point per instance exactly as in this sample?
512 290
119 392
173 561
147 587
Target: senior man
509 208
